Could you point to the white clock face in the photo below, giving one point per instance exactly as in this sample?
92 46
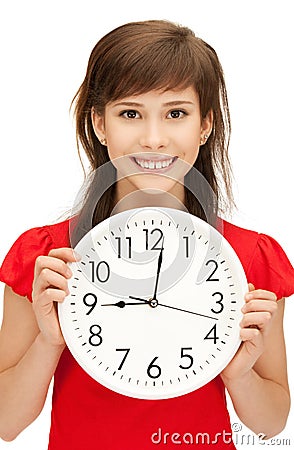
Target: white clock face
154 304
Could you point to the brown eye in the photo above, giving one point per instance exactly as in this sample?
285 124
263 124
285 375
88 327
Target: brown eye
130 114
176 114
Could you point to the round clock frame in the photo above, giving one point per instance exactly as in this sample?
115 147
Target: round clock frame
155 303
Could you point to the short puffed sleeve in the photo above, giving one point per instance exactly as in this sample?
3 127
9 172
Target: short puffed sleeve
270 268
17 269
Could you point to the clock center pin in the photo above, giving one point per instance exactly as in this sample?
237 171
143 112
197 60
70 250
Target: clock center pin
153 302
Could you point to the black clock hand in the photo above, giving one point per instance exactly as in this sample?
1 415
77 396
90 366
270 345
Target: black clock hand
122 304
158 272
190 312
154 303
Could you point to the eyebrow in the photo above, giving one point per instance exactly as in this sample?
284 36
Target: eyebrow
172 103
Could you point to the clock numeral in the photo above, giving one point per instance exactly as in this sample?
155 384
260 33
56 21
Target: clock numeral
214 263
100 271
212 334
218 302
187 245
119 246
188 357
92 303
125 356
156 370
155 230
95 339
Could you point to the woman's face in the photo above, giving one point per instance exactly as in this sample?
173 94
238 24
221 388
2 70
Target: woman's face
153 139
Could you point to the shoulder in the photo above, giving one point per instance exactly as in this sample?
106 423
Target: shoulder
264 261
17 269
44 237
58 232
243 241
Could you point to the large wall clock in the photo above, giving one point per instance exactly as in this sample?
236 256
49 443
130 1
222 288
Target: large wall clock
154 304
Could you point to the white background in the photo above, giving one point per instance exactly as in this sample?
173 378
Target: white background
44 51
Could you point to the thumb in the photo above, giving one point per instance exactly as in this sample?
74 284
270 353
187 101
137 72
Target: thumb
251 287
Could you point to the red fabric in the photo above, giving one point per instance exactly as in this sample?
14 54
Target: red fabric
265 263
85 415
17 269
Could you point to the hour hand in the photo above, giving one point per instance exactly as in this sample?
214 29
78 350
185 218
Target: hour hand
122 304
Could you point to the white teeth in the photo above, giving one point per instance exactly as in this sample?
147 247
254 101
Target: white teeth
153 164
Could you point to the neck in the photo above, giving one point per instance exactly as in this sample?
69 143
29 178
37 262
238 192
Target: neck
141 198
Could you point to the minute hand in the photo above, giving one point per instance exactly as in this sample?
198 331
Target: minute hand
173 307
159 263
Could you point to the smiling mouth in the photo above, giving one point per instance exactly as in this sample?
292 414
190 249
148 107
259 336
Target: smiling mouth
154 164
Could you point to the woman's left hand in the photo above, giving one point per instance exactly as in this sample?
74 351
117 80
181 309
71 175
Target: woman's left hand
259 309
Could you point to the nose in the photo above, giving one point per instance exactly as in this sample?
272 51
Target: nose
154 136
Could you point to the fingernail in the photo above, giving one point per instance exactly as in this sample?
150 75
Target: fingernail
77 256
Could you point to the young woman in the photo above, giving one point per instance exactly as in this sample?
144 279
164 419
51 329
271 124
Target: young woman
152 107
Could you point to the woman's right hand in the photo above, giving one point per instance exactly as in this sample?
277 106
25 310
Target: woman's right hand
50 286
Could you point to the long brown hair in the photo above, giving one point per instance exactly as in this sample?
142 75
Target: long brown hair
139 57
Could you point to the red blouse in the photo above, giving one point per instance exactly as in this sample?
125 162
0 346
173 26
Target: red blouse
86 415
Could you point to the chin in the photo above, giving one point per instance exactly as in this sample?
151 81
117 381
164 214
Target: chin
156 184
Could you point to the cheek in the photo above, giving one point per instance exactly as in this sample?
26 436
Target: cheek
192 149
115 147
190 138
118 143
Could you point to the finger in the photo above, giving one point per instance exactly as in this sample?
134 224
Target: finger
49 278
51 295
251 287
260 305
44 301
52 263
259 319
252 336
67 254
260 294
